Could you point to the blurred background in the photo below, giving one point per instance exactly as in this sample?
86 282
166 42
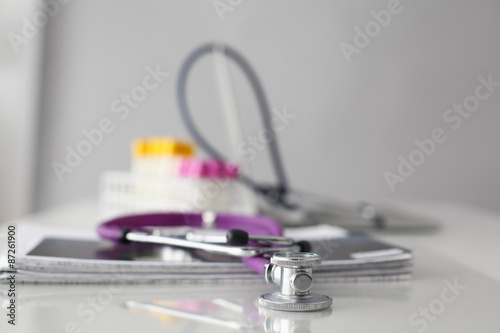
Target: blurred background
359 100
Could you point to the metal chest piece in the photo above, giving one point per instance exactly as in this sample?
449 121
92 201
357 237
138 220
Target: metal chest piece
293 272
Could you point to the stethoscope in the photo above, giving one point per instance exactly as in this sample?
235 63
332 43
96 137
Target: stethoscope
258 240
279 201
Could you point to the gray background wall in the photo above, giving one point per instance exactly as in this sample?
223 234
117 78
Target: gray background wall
353 119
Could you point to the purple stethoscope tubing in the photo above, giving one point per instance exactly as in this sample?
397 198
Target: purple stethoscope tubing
116 229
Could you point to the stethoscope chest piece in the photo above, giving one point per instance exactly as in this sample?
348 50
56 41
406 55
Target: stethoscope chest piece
293 272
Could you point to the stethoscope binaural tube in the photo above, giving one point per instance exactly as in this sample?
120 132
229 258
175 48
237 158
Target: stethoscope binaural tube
137 228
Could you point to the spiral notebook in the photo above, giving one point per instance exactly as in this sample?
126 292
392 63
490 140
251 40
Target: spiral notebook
69 259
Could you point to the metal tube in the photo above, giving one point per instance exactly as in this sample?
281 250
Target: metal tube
135 236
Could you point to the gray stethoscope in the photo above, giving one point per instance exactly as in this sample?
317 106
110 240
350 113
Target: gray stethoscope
290 207
291 270
279 201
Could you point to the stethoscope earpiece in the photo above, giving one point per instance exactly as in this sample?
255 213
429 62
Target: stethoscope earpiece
238 237
304 246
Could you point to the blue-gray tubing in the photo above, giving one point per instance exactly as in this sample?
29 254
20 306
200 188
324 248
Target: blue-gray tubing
282 187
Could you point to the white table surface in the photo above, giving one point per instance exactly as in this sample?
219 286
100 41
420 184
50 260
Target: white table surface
463 250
